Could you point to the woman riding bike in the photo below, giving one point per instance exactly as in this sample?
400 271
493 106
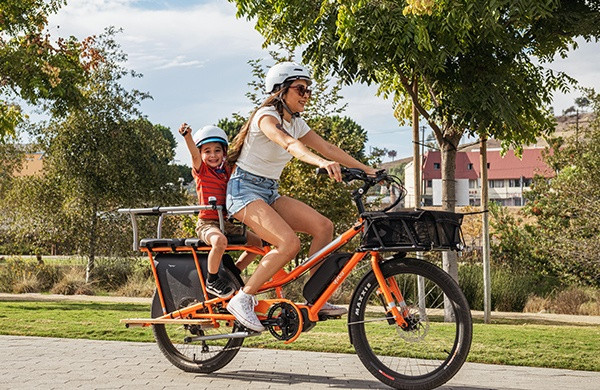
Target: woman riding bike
274 134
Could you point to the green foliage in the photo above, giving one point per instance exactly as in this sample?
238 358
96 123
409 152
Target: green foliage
560 233
35 69
510 289
514 243
98 158
11 160
567 209
15 270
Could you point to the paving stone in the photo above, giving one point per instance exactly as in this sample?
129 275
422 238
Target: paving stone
91 364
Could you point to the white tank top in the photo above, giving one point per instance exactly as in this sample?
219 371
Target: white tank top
259 154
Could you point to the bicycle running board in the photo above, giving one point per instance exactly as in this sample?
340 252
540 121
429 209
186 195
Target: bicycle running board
130 322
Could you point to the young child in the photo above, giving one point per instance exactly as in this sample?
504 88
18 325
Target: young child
208 148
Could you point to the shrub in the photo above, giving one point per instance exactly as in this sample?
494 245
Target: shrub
73 282
18 271
510 289
470 278
111 273
573 300
537 304
27 284
137 286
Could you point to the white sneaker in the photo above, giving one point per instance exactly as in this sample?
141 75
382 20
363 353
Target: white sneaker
330 309
242 307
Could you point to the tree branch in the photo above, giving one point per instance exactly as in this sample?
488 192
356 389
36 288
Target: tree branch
415 99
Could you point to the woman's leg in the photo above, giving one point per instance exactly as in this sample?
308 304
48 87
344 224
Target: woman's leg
271 227
247 257
303 218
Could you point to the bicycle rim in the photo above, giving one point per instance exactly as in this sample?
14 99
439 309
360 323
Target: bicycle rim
432 350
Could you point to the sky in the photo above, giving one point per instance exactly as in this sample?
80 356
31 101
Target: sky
194 59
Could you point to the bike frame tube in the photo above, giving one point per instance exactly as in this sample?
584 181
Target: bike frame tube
282 277
158 286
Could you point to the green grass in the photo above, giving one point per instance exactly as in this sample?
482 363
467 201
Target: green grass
505 341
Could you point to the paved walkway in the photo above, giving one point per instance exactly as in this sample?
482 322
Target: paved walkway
52 363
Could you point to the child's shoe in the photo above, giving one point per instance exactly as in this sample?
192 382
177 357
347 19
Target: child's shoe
219 288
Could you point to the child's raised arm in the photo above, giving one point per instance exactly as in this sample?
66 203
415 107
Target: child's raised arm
186 131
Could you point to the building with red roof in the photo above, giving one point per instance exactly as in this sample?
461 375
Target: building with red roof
509 177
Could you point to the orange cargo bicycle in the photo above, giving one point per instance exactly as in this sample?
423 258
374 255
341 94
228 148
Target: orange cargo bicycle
396 318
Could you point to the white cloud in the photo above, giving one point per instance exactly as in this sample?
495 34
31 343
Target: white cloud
164 38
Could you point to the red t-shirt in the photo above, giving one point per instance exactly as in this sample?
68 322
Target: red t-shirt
211 182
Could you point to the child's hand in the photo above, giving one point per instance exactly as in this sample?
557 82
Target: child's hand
184 129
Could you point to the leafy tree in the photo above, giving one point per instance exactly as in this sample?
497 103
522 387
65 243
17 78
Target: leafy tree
567 212
184 172
470 63
102 156
34 68
11 160
377 153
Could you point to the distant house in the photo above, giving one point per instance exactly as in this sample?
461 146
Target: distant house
509 177
32 166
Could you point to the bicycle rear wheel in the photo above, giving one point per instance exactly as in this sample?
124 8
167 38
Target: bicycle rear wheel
180 344
431 350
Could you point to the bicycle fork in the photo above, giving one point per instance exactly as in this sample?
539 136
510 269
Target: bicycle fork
390 294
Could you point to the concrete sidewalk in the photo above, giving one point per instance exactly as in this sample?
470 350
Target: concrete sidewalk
52 363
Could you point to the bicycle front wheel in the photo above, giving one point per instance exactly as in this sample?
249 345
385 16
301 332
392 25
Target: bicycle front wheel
198 348
431 349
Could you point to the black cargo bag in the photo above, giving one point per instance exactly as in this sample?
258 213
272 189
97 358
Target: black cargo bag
179 280
412 230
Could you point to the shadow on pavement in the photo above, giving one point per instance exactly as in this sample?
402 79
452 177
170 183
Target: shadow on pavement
271 377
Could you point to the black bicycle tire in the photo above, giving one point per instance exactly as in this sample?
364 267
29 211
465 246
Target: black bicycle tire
220 360
462 342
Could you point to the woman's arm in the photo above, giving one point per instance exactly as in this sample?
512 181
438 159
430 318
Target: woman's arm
274 130
333 152
186 131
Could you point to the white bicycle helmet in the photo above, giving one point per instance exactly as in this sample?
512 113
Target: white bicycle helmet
210 134
285 71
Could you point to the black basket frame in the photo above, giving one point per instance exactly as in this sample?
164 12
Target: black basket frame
412 230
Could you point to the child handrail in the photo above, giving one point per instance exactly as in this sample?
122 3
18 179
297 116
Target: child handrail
161 211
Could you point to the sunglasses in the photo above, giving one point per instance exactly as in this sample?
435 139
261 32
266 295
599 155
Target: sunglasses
302 90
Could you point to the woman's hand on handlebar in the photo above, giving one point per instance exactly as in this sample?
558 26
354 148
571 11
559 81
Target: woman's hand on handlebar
371 171
334 170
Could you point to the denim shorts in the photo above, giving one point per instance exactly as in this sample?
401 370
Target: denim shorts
244 188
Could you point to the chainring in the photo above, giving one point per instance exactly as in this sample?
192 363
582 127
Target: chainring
288 321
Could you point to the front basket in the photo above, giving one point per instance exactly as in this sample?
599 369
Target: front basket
412 230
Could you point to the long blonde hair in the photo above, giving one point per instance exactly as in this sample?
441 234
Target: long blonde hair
235 147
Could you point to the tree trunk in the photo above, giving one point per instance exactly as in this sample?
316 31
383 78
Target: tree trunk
449 258
92 243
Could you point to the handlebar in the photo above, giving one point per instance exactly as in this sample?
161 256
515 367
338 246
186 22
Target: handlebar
351 174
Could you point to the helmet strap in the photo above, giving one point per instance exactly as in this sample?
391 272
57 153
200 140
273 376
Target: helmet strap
285 107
